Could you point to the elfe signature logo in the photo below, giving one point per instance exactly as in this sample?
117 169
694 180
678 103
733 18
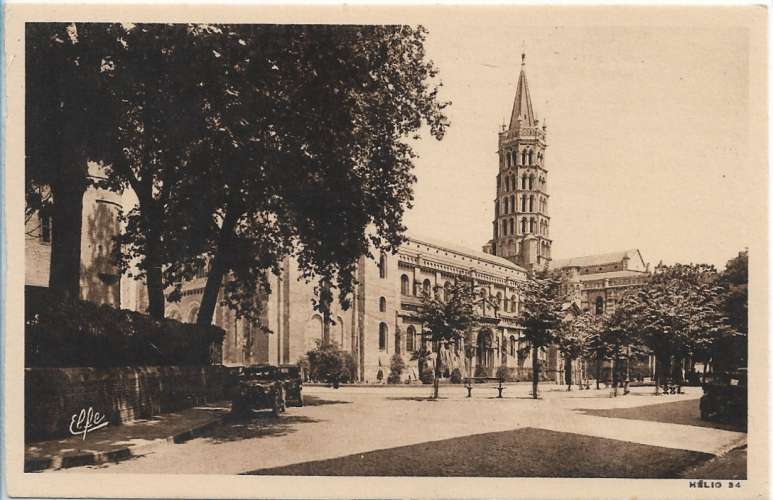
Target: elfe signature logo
85 421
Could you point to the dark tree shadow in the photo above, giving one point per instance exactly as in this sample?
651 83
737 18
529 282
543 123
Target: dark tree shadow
256 425
685 412
315 401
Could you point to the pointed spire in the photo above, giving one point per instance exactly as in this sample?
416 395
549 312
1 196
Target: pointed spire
523 114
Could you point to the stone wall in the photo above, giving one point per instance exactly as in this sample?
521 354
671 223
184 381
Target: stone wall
53 395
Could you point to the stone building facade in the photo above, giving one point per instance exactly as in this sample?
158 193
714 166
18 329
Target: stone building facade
597 282
380 321
100 279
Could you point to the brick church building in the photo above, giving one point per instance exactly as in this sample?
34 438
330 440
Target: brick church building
380 323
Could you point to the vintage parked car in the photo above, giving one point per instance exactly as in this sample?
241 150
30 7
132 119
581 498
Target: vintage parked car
258 387
725 397
292 378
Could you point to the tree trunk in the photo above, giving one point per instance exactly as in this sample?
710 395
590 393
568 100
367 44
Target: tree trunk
436 382
534 371
217 271
568 373
154 279
598 371
679 372
65 266
613 374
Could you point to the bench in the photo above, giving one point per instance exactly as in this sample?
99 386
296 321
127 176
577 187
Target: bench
469 380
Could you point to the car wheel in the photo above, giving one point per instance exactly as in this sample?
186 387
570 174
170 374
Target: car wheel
238 407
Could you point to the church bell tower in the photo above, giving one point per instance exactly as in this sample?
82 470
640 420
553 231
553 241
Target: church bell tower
521 226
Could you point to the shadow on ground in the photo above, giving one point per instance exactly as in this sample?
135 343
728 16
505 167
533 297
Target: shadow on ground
677 412
414 398
258 424
527 452
315 401
731 465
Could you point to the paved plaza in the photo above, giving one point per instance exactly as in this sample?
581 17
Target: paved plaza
397 421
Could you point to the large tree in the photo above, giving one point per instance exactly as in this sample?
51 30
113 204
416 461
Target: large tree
66 126
735 281
295 145
446 315
677 314
574 337
541 318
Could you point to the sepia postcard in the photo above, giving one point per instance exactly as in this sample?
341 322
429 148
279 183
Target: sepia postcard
392 251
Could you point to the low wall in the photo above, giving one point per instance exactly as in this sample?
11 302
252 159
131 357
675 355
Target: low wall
53 395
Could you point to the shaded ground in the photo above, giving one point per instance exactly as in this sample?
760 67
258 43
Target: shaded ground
527 452
732 465
119 442
679 412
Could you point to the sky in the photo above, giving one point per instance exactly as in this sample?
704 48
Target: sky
647 131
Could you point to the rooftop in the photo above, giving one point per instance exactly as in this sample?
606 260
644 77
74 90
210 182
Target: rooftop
595 260
467 252
612 275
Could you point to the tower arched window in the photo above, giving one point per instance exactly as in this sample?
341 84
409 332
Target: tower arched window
523 203
514 304
382 304
499 299
383 331
523 157
507 182
599 305
532 225
512 227
531 157
504 228
512 203
504 205
523 181
405 285
531 203
531 182
427 287
507 159
523 225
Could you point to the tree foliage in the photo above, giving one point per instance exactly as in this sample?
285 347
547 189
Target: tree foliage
735 282
66 126
676 314
247 144
447 314
328 363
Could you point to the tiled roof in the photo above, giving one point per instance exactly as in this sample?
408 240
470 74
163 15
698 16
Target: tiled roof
459 249
612 275
594 260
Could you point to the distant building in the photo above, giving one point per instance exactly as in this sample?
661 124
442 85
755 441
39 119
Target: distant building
597 282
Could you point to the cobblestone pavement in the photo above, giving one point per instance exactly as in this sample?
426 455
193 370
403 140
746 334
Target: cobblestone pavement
351 420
